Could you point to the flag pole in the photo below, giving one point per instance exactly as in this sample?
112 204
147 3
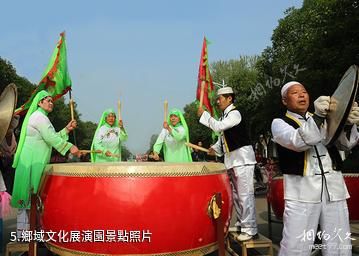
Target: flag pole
72 115
72 108
203 83
165 110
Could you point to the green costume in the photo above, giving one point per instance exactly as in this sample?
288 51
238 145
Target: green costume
173 144
107 138
37 139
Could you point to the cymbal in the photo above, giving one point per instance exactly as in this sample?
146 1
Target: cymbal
8 99
341 103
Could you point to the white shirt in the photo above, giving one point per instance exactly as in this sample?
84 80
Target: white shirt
239 157
308 188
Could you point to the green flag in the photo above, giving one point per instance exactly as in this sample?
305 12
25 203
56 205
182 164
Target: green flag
56 78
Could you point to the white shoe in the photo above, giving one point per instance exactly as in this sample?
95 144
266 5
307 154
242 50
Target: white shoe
233 229
245 237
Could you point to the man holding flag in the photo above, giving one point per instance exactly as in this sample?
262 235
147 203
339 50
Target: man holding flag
239 160
234 143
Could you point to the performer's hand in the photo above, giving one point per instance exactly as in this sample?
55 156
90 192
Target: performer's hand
120 123
353 117
71 125
211 152
155 156
321 106
166 126
200 111
75 151
108 153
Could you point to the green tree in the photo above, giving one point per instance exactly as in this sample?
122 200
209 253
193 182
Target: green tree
241 75
197 132
314 45
8 75
125 153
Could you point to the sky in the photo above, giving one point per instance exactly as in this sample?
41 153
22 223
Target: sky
137 51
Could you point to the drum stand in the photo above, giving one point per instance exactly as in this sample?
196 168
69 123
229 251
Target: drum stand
260 242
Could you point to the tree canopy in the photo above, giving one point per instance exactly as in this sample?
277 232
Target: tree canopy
60 116
314 45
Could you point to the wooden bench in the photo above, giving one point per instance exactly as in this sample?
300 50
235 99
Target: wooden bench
259 242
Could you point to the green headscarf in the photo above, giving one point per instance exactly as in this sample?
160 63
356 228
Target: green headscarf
33 107
100 124
182 121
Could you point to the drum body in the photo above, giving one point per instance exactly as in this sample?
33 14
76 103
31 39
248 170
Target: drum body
276 195
132 208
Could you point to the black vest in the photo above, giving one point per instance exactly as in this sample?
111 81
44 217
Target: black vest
291 162
237 136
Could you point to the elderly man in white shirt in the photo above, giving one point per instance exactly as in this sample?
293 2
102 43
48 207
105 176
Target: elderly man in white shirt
239 159
314 190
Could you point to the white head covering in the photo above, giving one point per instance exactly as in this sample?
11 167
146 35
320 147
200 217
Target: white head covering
225 90
285 87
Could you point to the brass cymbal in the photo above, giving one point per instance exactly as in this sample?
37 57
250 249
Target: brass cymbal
8 99
341 103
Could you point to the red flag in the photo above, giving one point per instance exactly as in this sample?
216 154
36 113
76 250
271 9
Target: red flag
209 97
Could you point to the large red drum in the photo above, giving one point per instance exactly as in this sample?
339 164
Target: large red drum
132 208
276 195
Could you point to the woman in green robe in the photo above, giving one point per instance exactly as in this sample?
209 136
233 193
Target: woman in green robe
37 138
172 139
108 137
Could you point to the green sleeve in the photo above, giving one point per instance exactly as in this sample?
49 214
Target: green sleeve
63 134
97 143
54 139
123 135
159 143
177 135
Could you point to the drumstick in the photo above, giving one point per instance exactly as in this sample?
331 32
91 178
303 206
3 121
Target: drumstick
85 151
202 93
196 147
166 110
119 110
115 155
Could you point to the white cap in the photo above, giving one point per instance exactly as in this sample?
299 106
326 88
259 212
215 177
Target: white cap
285 87
225 90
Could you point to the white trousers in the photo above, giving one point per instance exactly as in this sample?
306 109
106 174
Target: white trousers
23 222
241 179
300 228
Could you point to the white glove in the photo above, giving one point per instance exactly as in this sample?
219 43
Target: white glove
321 106
353 117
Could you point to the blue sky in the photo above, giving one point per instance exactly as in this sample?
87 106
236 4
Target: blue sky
142 52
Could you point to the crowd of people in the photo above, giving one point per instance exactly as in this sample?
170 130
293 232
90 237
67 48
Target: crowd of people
315 191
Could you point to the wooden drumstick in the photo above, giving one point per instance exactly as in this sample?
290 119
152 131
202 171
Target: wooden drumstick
115 155
85 151
196 147
119 110
166 110
202 93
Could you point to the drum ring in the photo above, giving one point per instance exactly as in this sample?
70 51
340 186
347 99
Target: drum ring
39 205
